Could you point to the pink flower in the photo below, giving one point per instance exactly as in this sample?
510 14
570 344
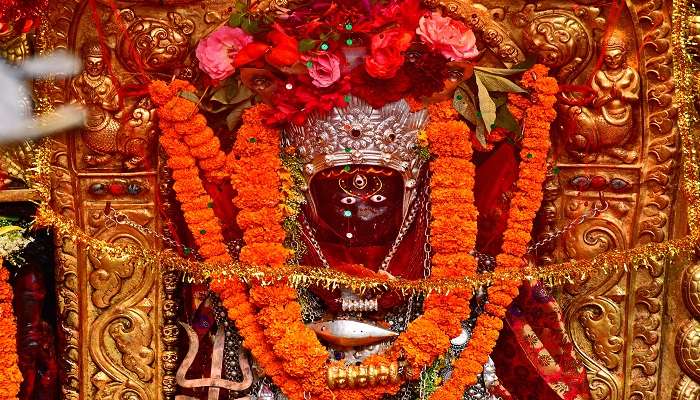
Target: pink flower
386 53
217 51
325 69
450 37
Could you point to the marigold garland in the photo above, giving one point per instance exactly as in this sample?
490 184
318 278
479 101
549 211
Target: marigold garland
452 236
188 186
269 317
202 222
295 356
537 114
180 120
10 375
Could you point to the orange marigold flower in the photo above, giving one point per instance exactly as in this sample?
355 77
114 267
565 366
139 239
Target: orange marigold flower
191 127
160 92
215 162
177 109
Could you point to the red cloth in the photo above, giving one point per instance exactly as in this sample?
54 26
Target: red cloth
495 174
534 357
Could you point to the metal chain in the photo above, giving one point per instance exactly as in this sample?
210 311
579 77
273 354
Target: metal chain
405 226
427 248
120 218
571 225
308 232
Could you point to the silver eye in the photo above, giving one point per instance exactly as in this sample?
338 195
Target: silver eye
377 198
348 200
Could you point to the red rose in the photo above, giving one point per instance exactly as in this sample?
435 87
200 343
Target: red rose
250 53
386 52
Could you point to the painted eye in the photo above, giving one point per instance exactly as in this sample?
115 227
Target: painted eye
348 200
377 198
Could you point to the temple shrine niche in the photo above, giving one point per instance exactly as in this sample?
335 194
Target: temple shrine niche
403 199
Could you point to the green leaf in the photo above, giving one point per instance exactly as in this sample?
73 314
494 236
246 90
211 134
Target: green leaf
223 93
8 229
486 104
189 96
250 25
495 83
243 94
232 93
234 118
463 102
501 71
307 44
506 120
213 110
500 100
236 19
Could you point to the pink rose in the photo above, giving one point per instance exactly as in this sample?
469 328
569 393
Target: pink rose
325 69
217 51
450 37
386 53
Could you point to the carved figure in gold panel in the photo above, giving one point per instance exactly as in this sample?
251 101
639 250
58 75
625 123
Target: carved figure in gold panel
100 94
608 124
105 134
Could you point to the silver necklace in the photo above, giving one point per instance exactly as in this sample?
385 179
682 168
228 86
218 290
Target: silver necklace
308 232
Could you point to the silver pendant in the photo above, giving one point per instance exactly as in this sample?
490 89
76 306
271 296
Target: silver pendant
348 333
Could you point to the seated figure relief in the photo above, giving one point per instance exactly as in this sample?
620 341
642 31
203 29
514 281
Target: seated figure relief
606 124
112 131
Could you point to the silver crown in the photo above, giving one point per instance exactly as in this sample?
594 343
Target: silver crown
360 134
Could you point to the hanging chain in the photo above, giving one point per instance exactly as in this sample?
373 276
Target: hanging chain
572 224
427 249
120 218
308 232
405 226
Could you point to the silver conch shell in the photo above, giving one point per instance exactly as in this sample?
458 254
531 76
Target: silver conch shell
348 333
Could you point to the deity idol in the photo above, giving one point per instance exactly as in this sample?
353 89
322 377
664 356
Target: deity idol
359 168
368 214
107 133
100 94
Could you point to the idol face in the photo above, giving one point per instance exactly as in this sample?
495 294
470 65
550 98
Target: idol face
358 206
94 66
614 58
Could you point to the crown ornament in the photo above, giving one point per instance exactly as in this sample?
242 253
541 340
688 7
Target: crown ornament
91 48
360 134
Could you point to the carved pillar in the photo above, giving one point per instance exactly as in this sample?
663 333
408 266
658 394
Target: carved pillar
108 308
622 145
119 336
